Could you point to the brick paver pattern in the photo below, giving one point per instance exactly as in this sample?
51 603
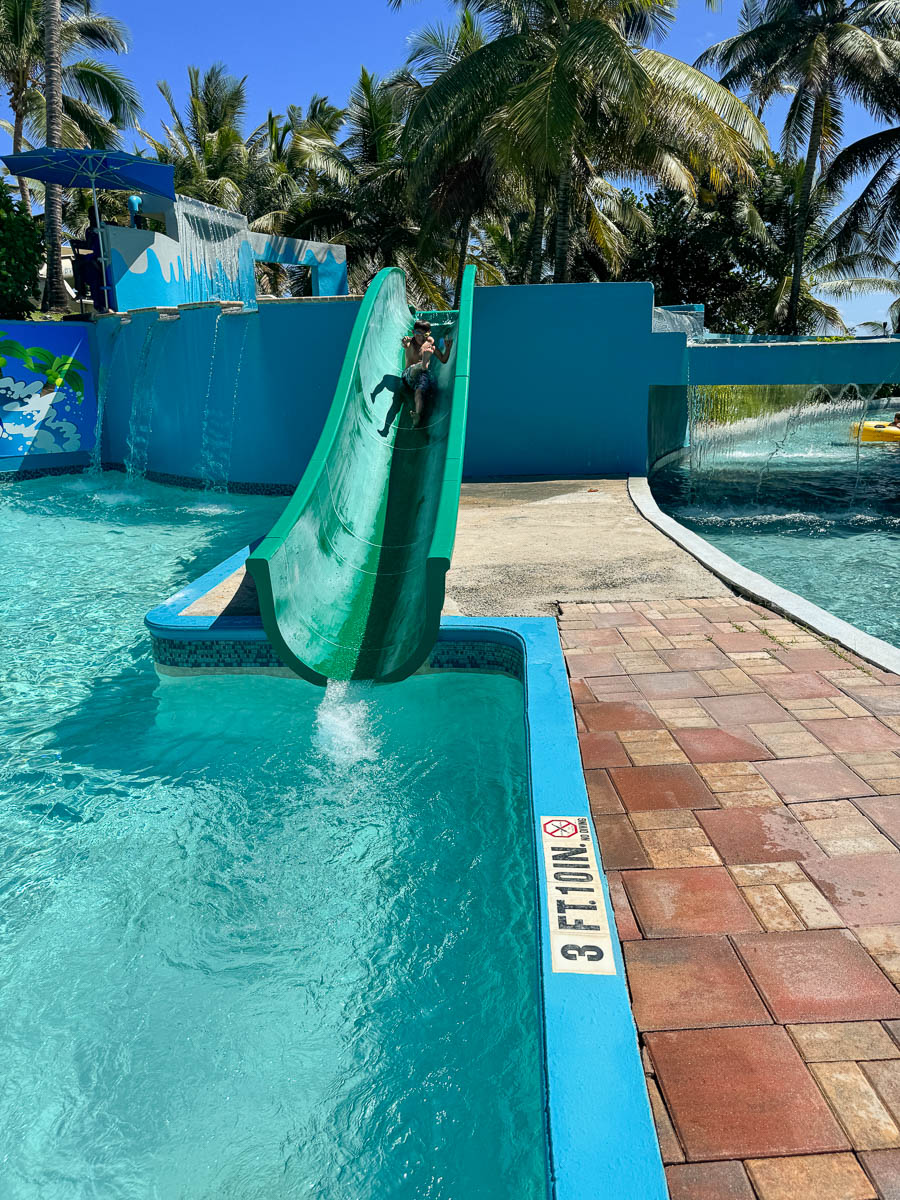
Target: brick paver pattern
744 780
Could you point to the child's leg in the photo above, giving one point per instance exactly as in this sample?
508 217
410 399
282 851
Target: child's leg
420 404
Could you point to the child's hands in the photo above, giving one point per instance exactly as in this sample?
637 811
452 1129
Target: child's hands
448 342
406 342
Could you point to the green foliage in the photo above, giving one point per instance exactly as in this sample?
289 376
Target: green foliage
21 257
56 370
734 254
822 54
701 252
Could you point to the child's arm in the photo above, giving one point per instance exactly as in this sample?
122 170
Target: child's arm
444 354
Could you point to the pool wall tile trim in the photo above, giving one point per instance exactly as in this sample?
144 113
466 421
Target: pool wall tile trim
600 1132
875 651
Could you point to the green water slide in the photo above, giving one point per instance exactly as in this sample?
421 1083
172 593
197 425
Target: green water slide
350 577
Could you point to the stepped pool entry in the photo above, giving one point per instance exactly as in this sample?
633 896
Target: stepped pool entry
779 479
242 915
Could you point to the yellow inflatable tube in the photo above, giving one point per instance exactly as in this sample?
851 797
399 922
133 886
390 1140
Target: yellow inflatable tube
875 431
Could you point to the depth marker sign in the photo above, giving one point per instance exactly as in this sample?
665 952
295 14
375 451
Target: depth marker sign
580 940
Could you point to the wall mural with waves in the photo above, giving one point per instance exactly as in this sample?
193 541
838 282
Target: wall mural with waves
48 402
208 253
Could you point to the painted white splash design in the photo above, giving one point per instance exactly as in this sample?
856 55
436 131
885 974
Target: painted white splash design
33 417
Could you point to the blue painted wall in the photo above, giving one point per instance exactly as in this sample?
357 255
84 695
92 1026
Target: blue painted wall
241 396
863 361
560 378
559 384
327 263
566 381
48 401
206 254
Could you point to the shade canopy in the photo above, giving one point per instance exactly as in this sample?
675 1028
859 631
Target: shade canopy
106 170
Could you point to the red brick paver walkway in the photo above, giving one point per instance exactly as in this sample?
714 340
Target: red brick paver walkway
744 778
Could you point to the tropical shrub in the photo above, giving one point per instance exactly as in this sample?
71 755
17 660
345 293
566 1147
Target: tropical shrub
21 257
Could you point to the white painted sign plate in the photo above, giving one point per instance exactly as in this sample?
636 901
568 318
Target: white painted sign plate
580 939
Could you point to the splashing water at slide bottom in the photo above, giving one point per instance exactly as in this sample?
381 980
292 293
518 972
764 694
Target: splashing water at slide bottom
344 731
257 941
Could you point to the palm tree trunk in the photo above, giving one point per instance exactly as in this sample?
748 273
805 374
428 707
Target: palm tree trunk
462 250
55 296
801 217
563 223
18 135
536 240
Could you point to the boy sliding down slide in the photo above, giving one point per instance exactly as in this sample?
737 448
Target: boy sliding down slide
419 349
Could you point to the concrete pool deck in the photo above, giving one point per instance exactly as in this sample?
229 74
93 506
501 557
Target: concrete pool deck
744 780
523 546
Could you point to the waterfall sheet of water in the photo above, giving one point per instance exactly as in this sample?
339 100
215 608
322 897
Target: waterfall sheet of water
138 440
105 375
205 468
219 438
210 244
788 448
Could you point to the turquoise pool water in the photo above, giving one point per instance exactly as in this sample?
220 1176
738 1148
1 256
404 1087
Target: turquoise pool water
255 942
801 503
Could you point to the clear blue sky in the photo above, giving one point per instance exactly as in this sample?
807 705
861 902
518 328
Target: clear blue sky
289 50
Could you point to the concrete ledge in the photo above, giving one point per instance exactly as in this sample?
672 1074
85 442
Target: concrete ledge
757 587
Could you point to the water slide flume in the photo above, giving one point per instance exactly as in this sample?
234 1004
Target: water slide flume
350 577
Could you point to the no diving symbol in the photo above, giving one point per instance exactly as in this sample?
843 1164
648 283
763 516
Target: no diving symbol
559 827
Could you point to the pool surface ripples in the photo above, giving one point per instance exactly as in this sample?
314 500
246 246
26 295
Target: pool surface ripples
256 940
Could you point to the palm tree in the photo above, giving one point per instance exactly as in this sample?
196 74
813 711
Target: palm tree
54 290
823 52
568 80
97 99
828 271
205 145
363 199
874 215
455 183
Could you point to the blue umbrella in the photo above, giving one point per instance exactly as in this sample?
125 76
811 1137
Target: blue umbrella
109 170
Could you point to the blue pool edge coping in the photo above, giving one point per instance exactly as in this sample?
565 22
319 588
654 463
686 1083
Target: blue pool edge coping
601 1137
757 587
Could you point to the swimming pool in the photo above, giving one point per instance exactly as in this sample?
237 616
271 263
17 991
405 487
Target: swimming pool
244 941
794 498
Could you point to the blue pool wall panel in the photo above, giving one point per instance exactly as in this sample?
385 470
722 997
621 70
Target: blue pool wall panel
559 385
560 378
567 381
257 404
863 361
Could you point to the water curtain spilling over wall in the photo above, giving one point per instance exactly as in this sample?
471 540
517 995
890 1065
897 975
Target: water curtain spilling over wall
783 446
210 245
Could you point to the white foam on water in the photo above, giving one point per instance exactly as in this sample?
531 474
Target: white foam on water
208 510
344 732
118 498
